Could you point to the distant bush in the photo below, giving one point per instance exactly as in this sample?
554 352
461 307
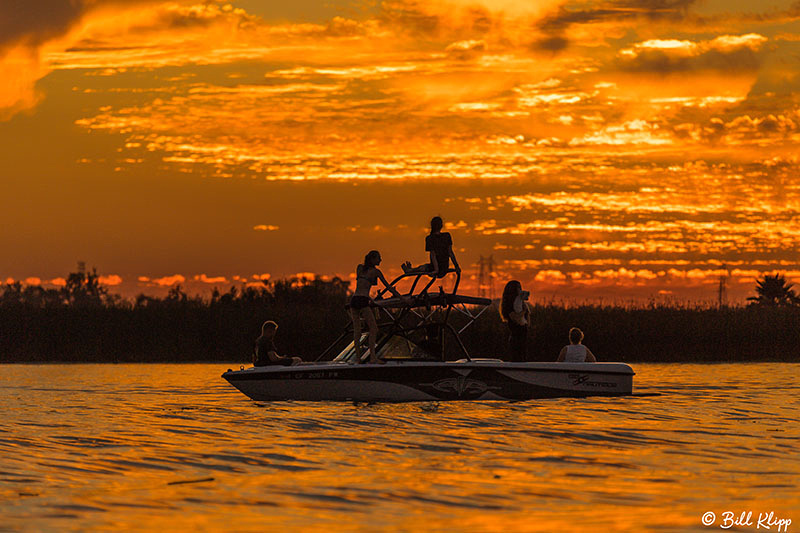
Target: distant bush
38 325
81 322
657 333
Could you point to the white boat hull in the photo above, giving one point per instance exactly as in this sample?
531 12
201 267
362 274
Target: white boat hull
410 381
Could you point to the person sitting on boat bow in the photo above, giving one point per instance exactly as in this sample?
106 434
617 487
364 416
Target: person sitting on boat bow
367 276
575 352
265 353
440 246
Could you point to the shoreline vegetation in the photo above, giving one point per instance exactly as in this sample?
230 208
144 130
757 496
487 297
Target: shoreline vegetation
83 323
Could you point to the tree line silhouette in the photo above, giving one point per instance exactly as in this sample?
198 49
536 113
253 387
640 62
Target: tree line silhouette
83 322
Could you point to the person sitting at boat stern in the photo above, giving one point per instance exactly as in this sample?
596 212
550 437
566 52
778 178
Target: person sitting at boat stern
575 352
516 313
265 353
440 246
367 276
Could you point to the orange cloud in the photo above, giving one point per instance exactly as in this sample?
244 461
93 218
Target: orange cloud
205 279
725 53
43 33
166 281
21 68
476 17
465 50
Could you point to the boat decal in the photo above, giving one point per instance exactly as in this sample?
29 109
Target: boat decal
461 385
583 379
579 379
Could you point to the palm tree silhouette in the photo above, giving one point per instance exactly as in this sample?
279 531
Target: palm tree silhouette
774 291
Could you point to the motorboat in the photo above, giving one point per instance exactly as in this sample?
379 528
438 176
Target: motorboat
396 381
413 334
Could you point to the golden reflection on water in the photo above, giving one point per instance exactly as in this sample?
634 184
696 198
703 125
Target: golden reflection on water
174 447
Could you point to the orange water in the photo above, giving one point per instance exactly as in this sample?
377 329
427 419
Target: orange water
174 447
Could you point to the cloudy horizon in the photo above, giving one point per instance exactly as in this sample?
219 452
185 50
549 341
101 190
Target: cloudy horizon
612 149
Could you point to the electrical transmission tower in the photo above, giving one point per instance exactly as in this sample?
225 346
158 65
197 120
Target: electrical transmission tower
486 277
722 289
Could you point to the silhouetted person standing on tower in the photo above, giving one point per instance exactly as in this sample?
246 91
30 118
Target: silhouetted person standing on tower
367 275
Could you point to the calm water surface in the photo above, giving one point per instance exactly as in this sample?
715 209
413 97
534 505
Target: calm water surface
174 447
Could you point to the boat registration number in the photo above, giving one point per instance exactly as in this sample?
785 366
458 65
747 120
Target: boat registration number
316 375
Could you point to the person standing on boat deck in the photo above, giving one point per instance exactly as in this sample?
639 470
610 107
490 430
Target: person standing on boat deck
264 351
515 312
575 352
440 246
367 275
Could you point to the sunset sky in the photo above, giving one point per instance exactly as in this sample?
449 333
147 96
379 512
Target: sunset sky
612 149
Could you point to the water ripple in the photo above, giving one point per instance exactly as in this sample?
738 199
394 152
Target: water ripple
148 447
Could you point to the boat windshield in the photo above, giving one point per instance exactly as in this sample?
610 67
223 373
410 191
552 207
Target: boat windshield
395 348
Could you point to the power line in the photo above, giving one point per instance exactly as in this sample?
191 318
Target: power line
722 288
486 275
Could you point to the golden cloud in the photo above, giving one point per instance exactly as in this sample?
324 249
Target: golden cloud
21 69
724 53
211 280
32 44
465 50
112 280
166 281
